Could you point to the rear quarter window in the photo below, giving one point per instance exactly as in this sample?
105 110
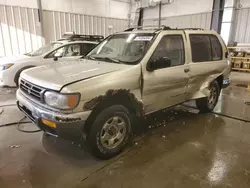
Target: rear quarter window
216 48
205 48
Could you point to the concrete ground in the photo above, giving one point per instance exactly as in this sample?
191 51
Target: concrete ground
174 148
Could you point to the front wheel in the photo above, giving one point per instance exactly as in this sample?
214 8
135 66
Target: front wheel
110 132
207 104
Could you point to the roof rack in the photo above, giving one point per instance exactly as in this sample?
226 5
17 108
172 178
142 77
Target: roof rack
77 37
163 27
191 29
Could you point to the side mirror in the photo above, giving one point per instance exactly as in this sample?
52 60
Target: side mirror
57 55
159 63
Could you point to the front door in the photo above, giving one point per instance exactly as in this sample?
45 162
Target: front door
165 87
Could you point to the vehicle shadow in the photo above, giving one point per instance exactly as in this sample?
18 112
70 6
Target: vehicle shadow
164 143
79 151
65 148
141 127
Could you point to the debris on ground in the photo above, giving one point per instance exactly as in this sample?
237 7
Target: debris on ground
15 146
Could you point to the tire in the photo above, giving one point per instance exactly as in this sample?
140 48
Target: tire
207 104
108 126
16 78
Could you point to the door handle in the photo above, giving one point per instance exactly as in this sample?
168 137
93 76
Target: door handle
186 70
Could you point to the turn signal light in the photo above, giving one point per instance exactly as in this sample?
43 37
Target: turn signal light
49 123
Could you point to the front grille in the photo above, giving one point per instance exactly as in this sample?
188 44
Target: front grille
31 89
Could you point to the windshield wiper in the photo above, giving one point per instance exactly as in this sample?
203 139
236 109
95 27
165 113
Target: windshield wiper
112 59
90 57
105 58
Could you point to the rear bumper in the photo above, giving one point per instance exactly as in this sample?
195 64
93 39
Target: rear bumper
68 126
226 83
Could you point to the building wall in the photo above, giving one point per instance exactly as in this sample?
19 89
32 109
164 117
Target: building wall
240 31
20 28
244 3
57 23
181 14
104 8
20 3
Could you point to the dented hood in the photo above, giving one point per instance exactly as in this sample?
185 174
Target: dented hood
55 76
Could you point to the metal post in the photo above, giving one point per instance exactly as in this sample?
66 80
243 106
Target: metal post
40 18
160 14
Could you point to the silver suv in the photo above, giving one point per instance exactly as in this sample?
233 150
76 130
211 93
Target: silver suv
70 47
132 73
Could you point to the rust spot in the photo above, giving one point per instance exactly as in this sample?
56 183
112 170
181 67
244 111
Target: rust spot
138 105
67 119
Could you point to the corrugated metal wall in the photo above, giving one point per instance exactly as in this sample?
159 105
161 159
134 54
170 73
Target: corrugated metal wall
20 30
201 20
241 30
57 23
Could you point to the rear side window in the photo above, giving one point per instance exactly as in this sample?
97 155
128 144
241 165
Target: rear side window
205 48
216 48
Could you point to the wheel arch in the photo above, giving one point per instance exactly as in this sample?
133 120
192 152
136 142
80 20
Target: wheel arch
112 97
17 75
219 79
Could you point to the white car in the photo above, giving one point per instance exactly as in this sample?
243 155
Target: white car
71 47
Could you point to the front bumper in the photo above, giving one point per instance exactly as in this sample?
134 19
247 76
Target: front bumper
68 125
226 83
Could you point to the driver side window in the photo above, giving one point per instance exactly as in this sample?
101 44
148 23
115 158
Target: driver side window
171 47
59 51
72 50
67 51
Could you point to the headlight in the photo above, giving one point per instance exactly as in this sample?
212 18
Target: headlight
61 101
6 66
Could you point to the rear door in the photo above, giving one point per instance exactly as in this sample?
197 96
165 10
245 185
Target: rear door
166 86
207 61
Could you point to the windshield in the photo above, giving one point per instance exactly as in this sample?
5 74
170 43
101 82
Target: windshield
122 48
45 49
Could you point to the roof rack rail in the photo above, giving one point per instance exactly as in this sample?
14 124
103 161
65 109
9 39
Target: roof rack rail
77 37
192 28
163 27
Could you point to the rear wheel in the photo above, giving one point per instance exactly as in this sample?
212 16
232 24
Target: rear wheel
207 104
110 132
